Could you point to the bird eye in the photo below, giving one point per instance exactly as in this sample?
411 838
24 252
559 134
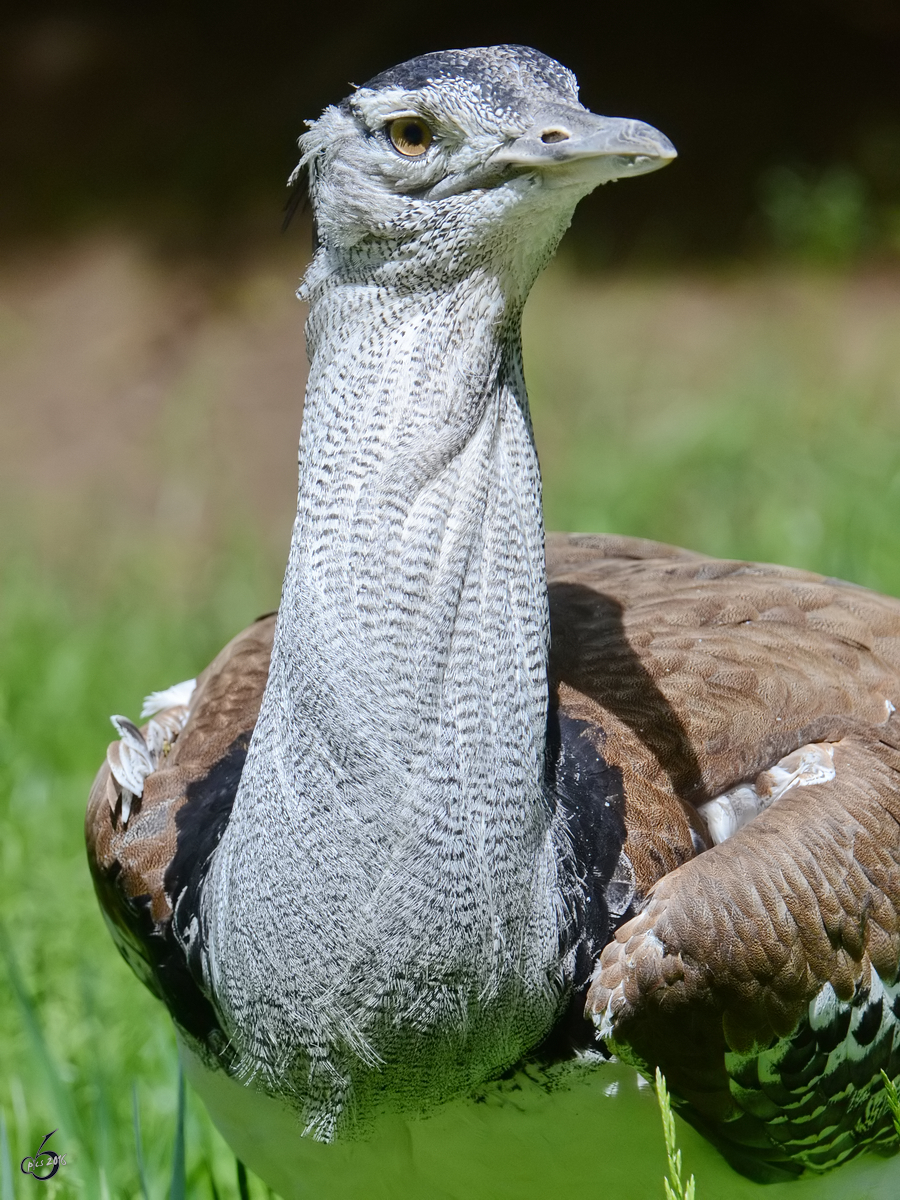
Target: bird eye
410 136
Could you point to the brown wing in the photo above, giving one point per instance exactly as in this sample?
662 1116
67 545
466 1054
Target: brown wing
762 974
151 866
699 674
762 977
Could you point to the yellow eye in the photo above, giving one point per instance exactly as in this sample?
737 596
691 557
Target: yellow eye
410 136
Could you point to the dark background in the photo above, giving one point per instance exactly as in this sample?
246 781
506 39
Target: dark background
179 120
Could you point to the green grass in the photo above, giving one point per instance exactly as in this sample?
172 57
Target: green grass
755 417
82 1049
741 417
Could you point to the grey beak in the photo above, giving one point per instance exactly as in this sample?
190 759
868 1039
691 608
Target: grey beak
568 135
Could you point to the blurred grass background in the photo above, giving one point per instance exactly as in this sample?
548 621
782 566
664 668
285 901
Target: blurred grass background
714 360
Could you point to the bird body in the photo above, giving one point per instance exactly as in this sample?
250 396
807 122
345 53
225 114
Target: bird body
371 860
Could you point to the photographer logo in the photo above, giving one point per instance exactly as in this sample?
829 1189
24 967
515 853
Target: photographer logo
45 1163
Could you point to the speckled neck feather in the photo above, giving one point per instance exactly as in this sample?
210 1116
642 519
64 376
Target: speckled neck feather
391 823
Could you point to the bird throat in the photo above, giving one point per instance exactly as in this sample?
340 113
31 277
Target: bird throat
382 908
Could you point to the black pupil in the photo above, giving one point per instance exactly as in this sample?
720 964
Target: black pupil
413 133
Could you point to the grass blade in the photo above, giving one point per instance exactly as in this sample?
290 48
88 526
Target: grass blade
893 1100
178 1190
97 1123
674 1185
138 1143
243 1185
6 1178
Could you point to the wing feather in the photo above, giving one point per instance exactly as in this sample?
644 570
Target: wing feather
761 974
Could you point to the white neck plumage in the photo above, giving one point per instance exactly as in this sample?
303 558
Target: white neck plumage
391 822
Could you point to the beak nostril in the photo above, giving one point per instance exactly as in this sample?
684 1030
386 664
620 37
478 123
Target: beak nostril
555 135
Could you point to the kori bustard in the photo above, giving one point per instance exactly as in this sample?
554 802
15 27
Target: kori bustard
475 806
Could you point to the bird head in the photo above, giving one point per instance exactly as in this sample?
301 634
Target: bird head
464 158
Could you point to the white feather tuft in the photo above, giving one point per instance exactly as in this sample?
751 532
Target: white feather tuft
175 696
726 814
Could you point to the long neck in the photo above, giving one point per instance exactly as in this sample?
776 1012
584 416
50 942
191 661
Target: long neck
391 808
414 613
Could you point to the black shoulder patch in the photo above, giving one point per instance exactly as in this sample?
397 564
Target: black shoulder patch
592 796
200 824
